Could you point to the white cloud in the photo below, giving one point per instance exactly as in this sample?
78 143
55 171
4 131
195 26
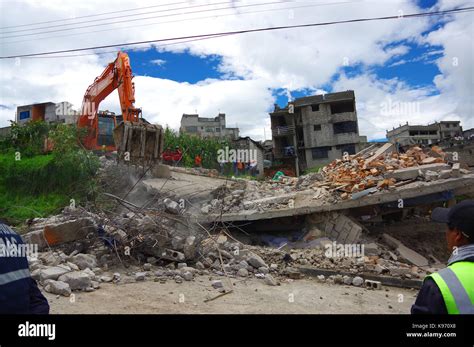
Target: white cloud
159 62
258 62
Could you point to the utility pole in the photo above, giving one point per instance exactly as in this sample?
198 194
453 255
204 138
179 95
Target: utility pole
291 110
297 164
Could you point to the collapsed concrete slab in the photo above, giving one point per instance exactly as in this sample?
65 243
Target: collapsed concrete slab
410 173
54 231
304 205
405 252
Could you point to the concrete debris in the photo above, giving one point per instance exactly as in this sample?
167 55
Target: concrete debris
357 281
217 284
405 252
140 276
171 206
77 280
58 287
84 250
242 272
350 178
256 261
269 280
83 261
52 273
58 229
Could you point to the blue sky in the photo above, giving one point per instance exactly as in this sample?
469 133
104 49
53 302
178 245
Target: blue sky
417 67
392 62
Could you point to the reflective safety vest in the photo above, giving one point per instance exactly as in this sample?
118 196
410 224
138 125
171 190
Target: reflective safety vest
456 283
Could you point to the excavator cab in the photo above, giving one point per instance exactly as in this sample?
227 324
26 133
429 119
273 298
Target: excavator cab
106 124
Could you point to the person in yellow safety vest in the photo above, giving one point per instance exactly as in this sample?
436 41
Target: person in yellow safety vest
451 290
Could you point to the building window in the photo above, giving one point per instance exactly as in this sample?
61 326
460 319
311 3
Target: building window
192 129
341 107
315 108
345 127
218 130
448 125
24 115
317 127
320 152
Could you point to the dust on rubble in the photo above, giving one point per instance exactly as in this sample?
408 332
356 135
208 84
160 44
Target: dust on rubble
145 237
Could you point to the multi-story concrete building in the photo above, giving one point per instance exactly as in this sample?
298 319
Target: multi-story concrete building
315 130
424 134
449 129
468 134
50 112
207 127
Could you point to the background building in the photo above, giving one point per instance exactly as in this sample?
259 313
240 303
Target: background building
207 127
313 131
267 150
247 143
425 134
50 112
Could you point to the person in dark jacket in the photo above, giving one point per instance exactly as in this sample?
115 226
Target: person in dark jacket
19 293
450 290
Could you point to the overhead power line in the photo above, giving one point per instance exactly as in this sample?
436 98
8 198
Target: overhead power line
117 17
93 15
412 15
186 20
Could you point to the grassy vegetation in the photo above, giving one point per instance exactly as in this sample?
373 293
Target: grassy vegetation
194 145
33 184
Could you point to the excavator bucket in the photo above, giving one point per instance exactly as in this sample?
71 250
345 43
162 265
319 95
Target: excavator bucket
139 143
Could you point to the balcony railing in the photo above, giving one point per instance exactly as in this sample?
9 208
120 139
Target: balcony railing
283 130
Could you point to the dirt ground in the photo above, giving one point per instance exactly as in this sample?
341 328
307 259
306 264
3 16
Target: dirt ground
306 296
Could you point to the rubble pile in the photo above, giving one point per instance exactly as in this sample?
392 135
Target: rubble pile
376 261
380 170
353 177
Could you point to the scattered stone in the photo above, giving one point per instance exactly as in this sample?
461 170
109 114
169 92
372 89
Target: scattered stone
77 280
58 287
188 276
270 280
106 278
357 281
347 280
52 273
263 270
243 272
140 276
84 261
217 284
256 261
171 206
147 266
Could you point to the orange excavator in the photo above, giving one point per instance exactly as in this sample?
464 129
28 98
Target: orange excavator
134 139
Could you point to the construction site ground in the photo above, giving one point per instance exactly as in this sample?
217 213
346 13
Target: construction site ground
183 240
250 296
